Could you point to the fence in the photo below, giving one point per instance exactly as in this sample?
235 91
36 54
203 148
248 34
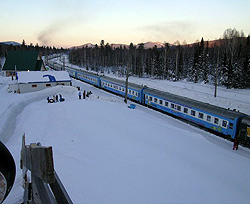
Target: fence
45 186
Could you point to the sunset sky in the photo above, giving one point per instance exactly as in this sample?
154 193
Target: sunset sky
75 22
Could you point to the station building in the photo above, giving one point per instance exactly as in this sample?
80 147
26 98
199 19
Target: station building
30 81
22 61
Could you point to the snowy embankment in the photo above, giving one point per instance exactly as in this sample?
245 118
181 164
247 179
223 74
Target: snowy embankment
238 99
105 152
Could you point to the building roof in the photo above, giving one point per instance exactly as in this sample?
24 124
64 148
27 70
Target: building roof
23 61
42 76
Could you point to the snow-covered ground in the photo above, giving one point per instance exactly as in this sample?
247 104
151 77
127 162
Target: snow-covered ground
105 152
238 99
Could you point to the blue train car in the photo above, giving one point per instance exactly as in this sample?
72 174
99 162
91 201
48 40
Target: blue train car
57 67
119 87
72 72
212 117
88 77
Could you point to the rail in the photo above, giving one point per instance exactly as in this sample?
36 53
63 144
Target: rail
45 186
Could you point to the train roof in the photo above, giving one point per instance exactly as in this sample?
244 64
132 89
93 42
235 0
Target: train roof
196 104
121 82
86 72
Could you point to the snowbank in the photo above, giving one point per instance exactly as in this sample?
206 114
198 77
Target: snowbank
105 152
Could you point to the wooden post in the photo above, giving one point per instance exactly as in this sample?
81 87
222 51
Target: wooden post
45 185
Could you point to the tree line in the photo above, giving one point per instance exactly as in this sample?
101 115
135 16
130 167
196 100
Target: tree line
225 61
43 50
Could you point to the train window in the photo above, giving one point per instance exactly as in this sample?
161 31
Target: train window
136 93
201 115
48 84
155 100
216 120
208 118
231 125
129 91
160 102
192 112
224 123
146 96
150 98
179 108
185 110
172 105
34 85
166 103
122 89
133 92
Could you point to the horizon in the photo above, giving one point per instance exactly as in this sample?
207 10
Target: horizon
75 23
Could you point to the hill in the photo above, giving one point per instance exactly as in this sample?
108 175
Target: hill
10 43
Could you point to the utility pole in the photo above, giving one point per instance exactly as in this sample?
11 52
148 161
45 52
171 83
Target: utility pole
176 67
126 92
63 63
216 75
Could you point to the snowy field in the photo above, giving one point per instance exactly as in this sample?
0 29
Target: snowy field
238 99
105 152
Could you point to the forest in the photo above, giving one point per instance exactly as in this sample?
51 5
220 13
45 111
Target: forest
225 62
43 50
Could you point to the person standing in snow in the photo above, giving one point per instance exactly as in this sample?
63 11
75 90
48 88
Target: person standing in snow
84 94
79 94
236 144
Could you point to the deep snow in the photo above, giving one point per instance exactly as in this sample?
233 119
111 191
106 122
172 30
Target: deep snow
105 152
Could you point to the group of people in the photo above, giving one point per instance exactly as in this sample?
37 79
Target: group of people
84 94
55 98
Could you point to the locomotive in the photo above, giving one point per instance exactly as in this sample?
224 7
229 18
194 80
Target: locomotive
229 123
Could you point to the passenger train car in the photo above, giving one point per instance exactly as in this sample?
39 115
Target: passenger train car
230 123
119 87
203 114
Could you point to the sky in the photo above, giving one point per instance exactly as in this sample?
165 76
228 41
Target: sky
69 23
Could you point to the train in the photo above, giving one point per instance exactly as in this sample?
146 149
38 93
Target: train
230 124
